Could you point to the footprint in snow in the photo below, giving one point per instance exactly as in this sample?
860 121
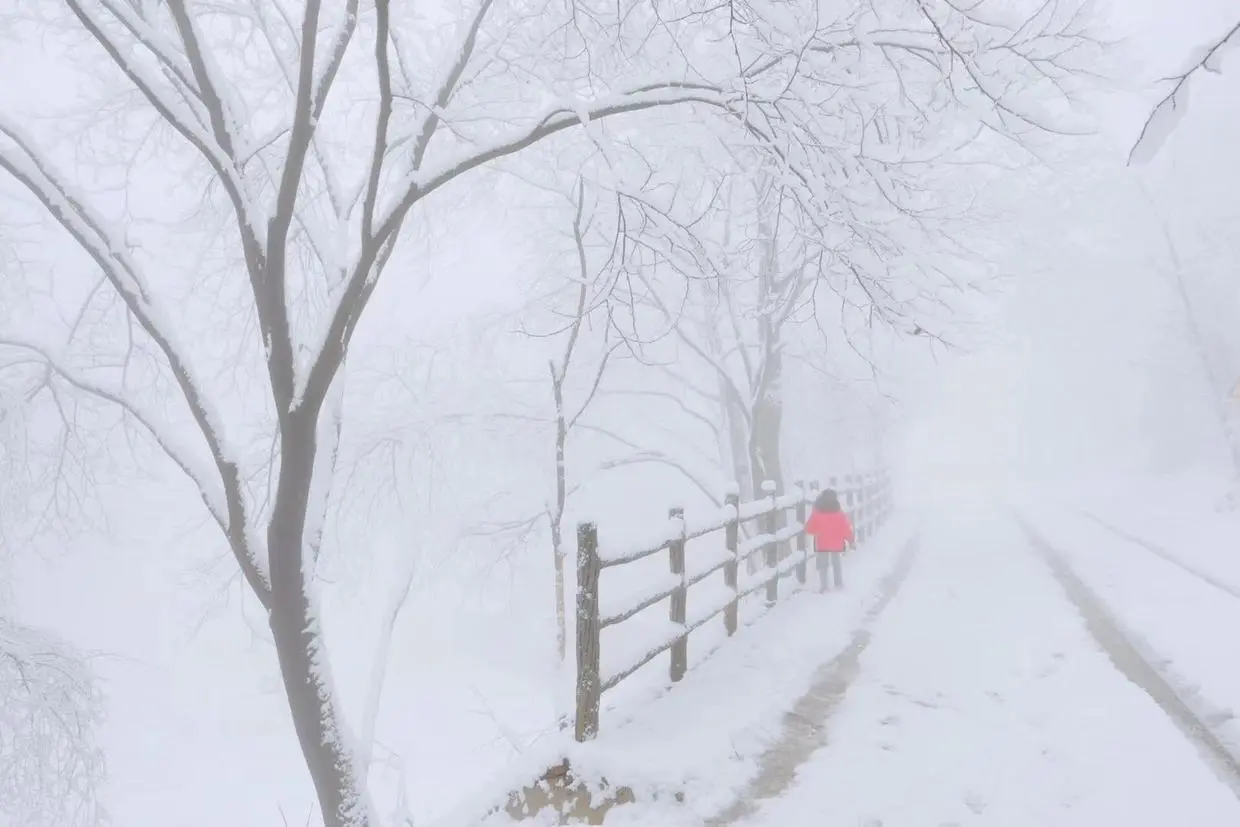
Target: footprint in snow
975 803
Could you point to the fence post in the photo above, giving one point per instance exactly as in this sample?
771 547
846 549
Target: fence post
731 539
876 498
680 597
870 506
814 490
846 503
861 520
771 549
800 517
589 681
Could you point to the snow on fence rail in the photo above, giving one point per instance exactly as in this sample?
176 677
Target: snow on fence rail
866 498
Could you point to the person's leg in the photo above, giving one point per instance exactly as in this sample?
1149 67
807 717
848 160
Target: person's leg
837 565
822 564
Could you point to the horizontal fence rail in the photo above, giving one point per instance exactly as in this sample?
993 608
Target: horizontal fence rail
779 521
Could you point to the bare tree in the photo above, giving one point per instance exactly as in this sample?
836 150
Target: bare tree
586 305
585 340
735 305
179 63
321 185
1220 380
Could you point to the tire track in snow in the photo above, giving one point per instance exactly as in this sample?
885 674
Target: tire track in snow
1130 657
1161 553
804 726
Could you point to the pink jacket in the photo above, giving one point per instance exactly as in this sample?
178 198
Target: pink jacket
831 530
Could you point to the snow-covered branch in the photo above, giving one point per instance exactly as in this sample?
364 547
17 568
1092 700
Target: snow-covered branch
365 271
109 250
1164 117
203 477
145 38
51 766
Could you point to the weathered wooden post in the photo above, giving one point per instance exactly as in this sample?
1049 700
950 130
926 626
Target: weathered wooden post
589 681
680 597
814 490
871 512
860 521
876 519
847 499
771 549
800 517
731 533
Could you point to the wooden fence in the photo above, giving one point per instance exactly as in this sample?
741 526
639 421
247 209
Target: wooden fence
866 498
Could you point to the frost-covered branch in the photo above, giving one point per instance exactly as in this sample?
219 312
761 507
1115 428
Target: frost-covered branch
188 124
365 271
204 478
51 766
1164 117
110 252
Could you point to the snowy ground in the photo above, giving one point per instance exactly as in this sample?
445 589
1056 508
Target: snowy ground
982 699
980 696
197 724
1178 513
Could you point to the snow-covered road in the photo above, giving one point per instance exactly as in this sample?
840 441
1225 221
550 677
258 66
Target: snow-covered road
983 699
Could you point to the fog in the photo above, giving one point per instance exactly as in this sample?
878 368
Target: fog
1093 366
315 366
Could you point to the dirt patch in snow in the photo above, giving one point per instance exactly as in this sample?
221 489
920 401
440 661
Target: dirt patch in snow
805 725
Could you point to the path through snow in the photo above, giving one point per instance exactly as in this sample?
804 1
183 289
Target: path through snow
983 699
803 725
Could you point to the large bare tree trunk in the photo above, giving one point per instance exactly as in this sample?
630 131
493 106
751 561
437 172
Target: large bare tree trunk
766 428
765 444
738 443
766 437
298 635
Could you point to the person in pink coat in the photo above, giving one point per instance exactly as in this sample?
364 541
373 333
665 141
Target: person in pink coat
832 533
